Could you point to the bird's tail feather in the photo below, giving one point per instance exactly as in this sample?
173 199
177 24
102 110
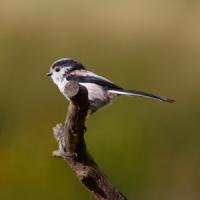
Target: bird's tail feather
141 94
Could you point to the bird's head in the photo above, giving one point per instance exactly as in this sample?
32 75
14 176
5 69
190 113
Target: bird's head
60 68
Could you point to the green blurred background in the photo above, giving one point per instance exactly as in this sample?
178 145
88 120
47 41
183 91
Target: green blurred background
149 150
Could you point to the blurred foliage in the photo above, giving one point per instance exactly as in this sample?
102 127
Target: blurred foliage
150 149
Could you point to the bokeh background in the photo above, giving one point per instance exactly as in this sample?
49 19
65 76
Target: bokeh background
149 150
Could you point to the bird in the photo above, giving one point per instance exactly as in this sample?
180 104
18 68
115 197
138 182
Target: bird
101 91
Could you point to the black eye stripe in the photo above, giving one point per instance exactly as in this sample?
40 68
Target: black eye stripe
68 63
60 63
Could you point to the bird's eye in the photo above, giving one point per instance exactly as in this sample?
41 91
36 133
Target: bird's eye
57 69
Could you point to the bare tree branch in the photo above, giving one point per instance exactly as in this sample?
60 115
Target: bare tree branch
72 147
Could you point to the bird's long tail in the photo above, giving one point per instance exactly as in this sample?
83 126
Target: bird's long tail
141 94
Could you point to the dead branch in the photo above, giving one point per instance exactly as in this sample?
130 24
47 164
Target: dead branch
72 147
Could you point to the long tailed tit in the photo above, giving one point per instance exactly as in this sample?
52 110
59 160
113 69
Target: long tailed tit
101 91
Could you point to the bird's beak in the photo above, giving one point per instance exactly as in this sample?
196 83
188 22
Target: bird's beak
49 73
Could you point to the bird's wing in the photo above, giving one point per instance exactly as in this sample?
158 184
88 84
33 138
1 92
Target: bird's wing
112 88
101 81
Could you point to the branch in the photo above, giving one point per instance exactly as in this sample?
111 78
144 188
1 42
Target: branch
72 147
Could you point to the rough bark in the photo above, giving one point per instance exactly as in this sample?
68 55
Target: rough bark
72 146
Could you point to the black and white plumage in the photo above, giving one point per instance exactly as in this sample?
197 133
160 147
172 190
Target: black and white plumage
101 91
